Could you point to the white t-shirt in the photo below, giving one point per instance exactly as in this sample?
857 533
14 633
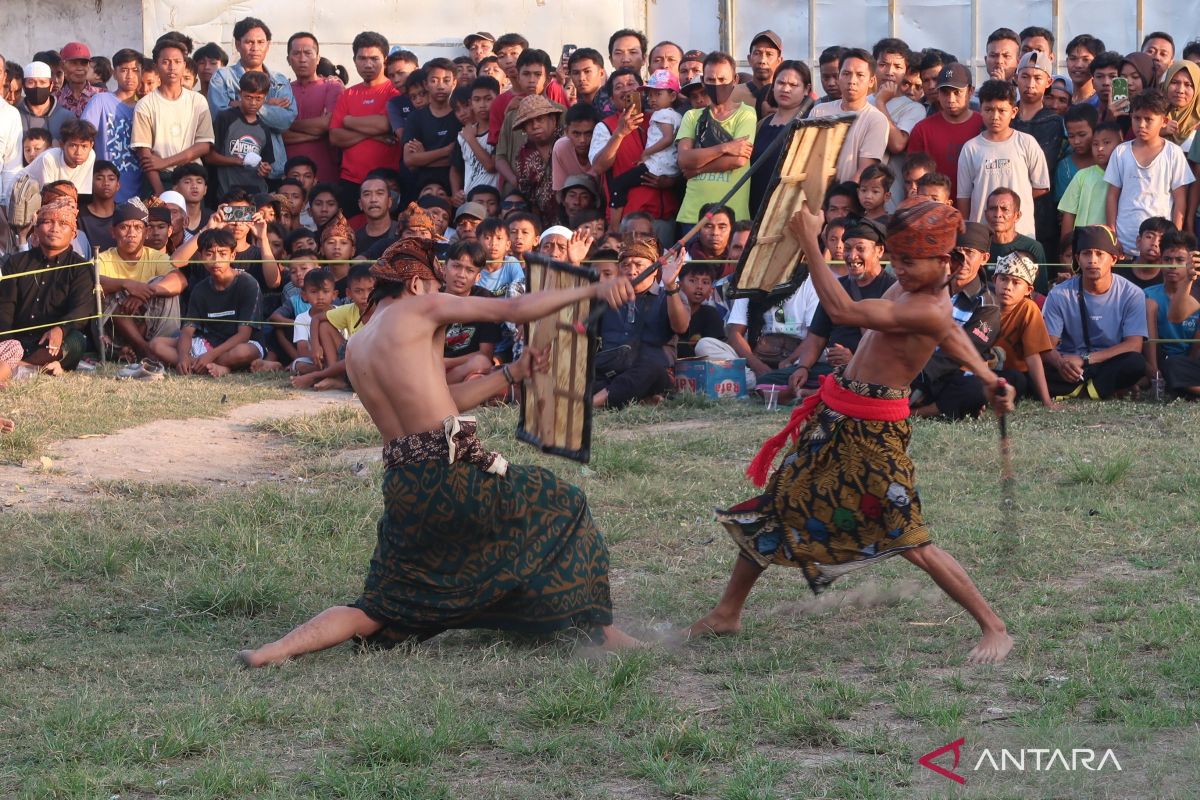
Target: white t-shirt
168 127
473 172
1145 191
49 167
1016 163
10 146
791 317
301 328
667 161
867 137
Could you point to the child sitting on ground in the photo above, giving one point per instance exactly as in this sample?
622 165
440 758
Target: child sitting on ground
469 346
229 301
287 316
874 191
936 187
329 330
1023 336
319 293
696 283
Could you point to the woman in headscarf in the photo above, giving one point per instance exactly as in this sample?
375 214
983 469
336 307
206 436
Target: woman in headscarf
1180 85
1141 72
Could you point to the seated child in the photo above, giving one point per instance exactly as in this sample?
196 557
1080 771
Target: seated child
337 246
705 337
329 330
1023 336
1177 361
292 306
319 293
874 191
230 302
916 166
35 142
523 233
469 345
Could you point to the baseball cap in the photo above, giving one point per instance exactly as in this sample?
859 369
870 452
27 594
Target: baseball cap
771 36
174 199
1035 60
954 76
75 51
475 210
692 85
474 37
1064 82
976 236
694 55
662 79
38 69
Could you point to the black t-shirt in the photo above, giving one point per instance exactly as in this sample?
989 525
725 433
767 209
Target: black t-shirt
364 241
707 322
464 338
848 336
98 230
239 301
1141 283
434 133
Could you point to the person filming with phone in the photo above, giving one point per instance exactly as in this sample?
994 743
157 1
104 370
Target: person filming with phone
235 213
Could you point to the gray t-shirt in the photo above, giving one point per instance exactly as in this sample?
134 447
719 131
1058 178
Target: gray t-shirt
1119 312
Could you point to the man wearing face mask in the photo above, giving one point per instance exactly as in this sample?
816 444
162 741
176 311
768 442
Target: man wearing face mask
943 389
39 108
828 347
715 144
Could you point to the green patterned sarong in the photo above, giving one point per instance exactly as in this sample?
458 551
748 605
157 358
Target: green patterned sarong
462 547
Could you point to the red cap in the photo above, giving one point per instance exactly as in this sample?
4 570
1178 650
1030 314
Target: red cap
75 51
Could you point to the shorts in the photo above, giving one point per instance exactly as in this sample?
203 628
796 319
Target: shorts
200 346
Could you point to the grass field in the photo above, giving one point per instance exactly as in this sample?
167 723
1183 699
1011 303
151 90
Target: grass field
120 619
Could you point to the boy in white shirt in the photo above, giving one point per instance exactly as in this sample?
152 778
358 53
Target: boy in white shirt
1148 176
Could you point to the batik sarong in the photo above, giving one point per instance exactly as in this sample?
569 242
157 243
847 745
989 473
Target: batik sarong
467 540
844 496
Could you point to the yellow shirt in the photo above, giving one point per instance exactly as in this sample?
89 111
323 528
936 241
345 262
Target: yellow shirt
347 319
150 265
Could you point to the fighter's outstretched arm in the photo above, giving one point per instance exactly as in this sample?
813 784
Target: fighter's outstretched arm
446 309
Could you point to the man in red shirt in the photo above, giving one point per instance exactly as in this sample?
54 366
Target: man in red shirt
942 135
359 124
315 101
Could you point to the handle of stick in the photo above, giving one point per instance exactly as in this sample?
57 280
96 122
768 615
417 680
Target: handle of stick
1006 468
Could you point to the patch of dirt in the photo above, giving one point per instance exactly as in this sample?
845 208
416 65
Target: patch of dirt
226 450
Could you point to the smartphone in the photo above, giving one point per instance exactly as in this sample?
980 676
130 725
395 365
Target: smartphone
1120 90
634 100
568 49
238 213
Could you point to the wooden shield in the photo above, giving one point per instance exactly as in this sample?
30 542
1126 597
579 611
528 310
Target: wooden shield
770 266
556 406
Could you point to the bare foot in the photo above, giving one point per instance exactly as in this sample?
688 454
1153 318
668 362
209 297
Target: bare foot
7 425
330 384
303 381
263 365
617 639
714 624
992 648
217 370
53 368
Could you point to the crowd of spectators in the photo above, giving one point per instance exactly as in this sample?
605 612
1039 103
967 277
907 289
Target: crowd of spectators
231 212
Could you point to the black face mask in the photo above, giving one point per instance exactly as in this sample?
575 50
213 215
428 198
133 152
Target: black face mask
36 95
718 94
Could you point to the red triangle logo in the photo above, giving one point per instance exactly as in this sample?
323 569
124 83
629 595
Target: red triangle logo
955 747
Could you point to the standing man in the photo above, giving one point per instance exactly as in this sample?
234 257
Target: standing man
666 55
766 53
943 134
866 141
112 115
39 108
315 98
715 144
76 91
845 496
10 139
446 559
252 38
893 61
586 67
479 46
171 125
627 50
1080 52
359 125
431 132
1003 52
